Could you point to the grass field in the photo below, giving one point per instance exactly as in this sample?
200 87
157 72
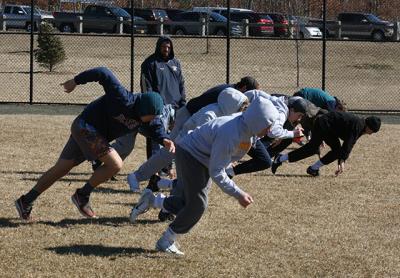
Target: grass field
364 74
346 226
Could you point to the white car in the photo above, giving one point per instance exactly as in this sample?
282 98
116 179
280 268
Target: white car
309 32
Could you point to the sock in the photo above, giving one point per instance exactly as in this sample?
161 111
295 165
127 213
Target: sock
170 235
86 189
317 165
283 157
165 183
159 200
31 196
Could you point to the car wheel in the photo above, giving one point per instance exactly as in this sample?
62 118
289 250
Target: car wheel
179 32
377 36
28 27
66 28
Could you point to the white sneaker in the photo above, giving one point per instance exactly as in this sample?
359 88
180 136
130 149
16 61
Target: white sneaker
145 202
133 183
164 245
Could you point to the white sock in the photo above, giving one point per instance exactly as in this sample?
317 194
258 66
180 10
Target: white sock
159 200
283 157
165 183
317 165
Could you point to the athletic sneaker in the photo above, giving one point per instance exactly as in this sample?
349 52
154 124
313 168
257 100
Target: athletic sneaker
153 183
82 203
276 163
165 245
133 182
145 202
24 209
165 216
312 172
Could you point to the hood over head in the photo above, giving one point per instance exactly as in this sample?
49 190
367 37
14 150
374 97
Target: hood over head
230 100
252 94
160 40
260 114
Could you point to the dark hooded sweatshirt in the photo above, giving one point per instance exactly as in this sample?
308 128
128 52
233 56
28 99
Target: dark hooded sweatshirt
117 112
164 76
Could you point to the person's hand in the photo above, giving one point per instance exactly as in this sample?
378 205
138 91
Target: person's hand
169 145
69 85
340 168
245 200
322 146
298 132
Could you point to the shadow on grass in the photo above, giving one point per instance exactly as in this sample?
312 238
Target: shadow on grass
283 175
66 223
103 251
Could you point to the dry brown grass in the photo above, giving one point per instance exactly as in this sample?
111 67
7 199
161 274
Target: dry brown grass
364 74
297 227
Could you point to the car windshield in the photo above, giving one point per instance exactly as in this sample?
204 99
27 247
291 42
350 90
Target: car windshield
373 18
217 17
120 12
28 10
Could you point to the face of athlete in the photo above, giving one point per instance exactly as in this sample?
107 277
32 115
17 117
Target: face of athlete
165 49
294 117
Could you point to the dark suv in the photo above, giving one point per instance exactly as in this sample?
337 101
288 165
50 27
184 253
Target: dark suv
188 23
363 25
260 24
152 16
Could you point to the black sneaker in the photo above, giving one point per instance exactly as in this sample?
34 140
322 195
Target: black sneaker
82 204
24 209
312 172
153 183
276 163
165 216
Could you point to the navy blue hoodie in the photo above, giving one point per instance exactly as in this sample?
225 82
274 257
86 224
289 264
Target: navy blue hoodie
117 112
164 76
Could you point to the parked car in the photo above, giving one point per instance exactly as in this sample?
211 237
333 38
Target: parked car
305 29
95 18
218 10
365 25
188 23
281 24
152 16
19 17
173 14
256 20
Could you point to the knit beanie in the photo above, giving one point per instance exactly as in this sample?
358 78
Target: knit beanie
150 104
298 104
374 123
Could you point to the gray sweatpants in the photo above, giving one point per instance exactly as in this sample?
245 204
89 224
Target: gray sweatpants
196 184
163 158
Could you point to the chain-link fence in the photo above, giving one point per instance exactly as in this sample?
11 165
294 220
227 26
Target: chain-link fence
363 73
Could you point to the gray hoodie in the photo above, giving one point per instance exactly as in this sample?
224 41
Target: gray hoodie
229 101
226 139
280 103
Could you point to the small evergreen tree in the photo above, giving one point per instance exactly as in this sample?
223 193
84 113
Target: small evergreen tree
51 51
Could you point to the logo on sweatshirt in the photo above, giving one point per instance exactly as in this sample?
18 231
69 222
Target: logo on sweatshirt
174 68
129 123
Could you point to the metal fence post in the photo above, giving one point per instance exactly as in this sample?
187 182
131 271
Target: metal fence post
80 24
4 23
291 29
245 30
120 25
396 31
161 26
202 26
339 30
